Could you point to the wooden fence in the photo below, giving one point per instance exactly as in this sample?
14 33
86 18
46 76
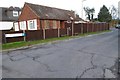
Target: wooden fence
51 33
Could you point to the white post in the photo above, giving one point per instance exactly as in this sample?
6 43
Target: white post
67 31
72 28
58 31
43 28
24 35
44 33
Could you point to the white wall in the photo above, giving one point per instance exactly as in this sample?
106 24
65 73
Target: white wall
6 25
16 26
23 25
119 9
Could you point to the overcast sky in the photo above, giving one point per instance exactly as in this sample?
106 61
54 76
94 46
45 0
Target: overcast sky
75 5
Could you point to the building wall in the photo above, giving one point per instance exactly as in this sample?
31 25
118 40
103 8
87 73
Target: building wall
119 9
10 14
52 24
26 25
6 25
1 14
27 14
16 28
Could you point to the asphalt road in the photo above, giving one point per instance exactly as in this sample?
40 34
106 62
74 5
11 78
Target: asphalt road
88 57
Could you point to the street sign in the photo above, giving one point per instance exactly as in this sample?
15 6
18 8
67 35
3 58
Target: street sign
15 35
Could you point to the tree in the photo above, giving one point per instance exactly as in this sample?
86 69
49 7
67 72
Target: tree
89 13
104 15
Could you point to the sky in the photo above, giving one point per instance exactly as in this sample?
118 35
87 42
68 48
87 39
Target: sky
75 5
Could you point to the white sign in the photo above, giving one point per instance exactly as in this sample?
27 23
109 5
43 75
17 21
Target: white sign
15 35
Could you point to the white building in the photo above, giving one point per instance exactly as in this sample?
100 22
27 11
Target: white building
119 9
8 16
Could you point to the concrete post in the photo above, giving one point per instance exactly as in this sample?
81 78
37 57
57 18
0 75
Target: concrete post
58 31
24 35
44 33
82 28
72 28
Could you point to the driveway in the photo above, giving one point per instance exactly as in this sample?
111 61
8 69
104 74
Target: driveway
87 57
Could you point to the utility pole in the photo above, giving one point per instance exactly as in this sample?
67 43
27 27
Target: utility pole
72 19
82 17
82 9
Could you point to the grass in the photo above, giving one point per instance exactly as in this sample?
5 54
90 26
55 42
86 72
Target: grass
29 43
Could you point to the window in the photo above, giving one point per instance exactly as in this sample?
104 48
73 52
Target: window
62 24
15 13
51 24
19 12
54 24
32 24
47 24
16 26
23 25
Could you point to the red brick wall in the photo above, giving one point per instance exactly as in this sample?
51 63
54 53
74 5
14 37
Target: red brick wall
62 24
38 24
51 23
27 14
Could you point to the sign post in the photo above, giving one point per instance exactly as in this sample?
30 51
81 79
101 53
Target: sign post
24 35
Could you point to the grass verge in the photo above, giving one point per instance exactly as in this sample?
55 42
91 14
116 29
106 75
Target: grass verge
14 45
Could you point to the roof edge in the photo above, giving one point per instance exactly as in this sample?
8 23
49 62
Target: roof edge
32 10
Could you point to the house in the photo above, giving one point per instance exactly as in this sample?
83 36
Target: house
8 16
36 17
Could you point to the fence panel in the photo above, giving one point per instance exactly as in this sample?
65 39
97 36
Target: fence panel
68 27
77 29
13 39
51 33
34 35
84 27
63 32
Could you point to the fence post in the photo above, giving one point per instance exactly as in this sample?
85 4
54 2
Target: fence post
72 28
5 38
82 28
24 35
92 25
87 28
108 26
68 31
58 31
44 33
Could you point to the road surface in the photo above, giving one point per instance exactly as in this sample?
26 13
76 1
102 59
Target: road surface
93 56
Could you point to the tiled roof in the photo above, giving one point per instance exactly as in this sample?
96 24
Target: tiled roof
5 17
45 12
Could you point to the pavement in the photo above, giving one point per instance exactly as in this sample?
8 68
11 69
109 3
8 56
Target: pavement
93 56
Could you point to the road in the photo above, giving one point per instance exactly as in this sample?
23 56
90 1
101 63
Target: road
87 57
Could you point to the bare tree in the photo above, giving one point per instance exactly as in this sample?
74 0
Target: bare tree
89 13
114 12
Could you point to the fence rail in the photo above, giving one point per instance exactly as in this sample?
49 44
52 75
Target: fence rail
51 33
